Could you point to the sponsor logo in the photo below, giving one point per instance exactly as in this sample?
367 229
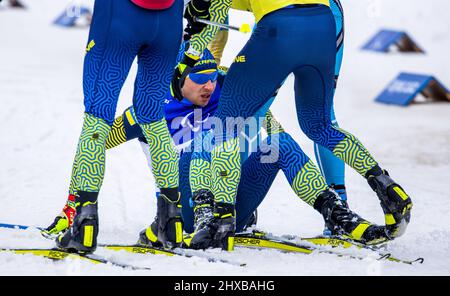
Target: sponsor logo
90 46
240 59
247 241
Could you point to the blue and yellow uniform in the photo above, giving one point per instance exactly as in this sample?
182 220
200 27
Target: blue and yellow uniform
120 31
331 167
186 121
260 8
299 38
257 176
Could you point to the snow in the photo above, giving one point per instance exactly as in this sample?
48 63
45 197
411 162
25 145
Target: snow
41 108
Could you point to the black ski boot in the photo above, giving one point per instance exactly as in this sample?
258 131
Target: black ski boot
203 205
342 193
149 236
203 209
81 237
396 204
214 226
167 229
342 221
252 221
225 223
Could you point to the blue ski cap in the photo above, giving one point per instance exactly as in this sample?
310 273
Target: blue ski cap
206 64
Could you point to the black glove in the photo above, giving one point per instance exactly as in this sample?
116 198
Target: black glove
182 70
196 9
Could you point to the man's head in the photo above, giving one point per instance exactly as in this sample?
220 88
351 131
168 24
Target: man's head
201 82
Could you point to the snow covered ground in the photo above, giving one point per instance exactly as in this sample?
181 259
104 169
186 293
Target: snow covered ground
41 110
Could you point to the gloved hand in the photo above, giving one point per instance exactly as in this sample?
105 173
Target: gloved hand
196 9
182 70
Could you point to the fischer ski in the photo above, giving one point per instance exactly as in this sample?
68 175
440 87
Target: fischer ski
262 240
189 253
56 254
319 244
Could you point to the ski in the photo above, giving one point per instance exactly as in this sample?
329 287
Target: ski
262 240
137 249
56 254
189 253
17 226
320 244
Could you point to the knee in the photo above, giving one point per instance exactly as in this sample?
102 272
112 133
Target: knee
149 117
148 113
104 114
317 131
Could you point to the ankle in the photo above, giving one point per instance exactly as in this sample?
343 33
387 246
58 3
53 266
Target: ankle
374 172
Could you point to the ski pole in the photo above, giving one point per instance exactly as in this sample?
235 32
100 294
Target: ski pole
245 28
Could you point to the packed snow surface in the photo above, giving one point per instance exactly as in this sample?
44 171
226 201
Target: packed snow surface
41 103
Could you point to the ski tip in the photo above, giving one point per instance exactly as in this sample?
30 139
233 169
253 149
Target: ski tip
13 226
419 261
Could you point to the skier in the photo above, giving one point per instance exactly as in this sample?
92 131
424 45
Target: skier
331 167
292 36
200 92
200 101
120 31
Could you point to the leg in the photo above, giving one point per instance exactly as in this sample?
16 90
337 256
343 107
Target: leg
124 129
332 167
109 56
186 193
247 88
156 61
106 67
256 180
314 100
257 176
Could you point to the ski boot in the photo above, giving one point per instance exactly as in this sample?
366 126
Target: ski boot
342 192
62 221
167 229
396 204
252 221
81 237
149 236
202 203
342 221
216 231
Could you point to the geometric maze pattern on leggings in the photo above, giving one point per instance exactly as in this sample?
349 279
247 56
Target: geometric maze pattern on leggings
89 164
164 154
226 171
309 183
219 12
200 174
72 185
256 180
352 152
117 134
271 125
302 174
